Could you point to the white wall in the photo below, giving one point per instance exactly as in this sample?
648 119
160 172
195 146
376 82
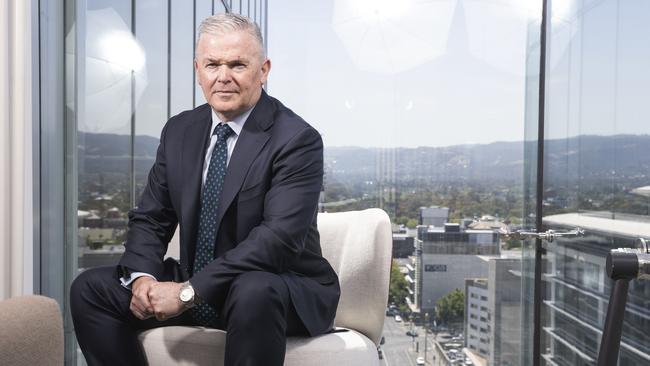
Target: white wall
16 223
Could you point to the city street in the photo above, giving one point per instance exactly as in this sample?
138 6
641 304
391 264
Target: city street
399 349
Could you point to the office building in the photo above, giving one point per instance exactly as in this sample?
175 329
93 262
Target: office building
477 316
446 256
403 245
434 216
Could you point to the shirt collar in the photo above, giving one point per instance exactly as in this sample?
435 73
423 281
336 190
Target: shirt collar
237 124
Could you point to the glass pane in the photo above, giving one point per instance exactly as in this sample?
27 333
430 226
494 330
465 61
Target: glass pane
530 187
421 106
121 87
109 61
203 9
181 57
152 88
596 159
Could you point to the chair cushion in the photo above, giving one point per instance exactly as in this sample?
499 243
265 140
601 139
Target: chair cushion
203 346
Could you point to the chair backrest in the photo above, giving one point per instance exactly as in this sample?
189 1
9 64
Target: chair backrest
358 245
31 331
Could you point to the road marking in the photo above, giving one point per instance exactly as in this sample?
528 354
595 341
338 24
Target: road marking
386 359
408 357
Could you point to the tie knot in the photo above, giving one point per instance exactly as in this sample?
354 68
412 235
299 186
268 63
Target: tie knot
223 131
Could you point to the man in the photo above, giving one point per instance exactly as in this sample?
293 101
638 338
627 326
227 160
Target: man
241 176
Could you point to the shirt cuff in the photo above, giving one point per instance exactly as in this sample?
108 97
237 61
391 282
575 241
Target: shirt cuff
126 282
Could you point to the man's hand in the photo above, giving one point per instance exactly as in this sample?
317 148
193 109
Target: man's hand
165 300
140 303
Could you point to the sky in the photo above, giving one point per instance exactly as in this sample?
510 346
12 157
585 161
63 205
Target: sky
382 73
448 72
435 74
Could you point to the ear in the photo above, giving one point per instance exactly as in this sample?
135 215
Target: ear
196 70
266 68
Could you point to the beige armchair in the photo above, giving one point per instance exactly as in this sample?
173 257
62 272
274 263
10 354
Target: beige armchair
31 332
358 244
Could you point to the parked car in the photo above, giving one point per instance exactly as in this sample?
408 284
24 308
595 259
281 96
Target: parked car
412 333
419 361
398 318
383 340
380 352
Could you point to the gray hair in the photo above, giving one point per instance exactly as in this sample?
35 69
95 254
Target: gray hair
225 23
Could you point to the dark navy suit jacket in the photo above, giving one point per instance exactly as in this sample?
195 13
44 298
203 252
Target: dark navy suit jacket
267 213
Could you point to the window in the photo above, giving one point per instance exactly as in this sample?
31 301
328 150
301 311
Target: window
128 68
595 141
435 139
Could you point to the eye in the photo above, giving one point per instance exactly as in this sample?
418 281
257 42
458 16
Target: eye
239 67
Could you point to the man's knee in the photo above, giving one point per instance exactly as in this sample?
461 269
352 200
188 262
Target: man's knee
253 295
87 284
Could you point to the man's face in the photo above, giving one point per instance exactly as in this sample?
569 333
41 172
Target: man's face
230 72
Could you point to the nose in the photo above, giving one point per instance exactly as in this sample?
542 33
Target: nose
223 74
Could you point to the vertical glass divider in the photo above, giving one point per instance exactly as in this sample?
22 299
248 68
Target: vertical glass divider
169 56
193 52
133 110
71 168
539 249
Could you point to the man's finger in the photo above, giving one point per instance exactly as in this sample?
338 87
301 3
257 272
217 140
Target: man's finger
138 313
140 291
144 303
138 303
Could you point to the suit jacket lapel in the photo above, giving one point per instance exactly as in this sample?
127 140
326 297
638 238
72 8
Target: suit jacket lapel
250 142
193 155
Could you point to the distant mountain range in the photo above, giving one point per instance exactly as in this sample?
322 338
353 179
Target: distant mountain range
597 157
590 157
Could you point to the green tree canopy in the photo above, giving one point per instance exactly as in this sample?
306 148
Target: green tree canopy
450 309
398 290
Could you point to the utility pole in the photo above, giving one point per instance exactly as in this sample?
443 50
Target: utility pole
412 336
426 322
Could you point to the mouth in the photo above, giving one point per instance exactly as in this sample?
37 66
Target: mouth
225 92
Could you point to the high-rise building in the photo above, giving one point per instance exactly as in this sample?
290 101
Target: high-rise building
577 291
493 312
477 317
504 309
445 257
434 216
403 245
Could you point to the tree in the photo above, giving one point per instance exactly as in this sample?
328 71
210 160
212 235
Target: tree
398 289
412 223
450 309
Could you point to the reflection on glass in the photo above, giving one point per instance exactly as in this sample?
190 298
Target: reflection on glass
113 60
110 76
421 107
128 68
596 168
151 110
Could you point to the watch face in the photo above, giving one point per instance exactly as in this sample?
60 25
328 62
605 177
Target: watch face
187 294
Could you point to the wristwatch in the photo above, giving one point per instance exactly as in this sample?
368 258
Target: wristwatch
187 295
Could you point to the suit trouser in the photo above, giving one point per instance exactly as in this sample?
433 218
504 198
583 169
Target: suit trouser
257 314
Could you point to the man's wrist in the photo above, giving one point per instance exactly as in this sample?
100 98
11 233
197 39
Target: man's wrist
188 296
142 279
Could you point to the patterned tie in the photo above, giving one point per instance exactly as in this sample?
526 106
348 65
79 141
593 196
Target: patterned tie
204 314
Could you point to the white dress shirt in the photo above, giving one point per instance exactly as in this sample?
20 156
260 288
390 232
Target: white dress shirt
237 124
